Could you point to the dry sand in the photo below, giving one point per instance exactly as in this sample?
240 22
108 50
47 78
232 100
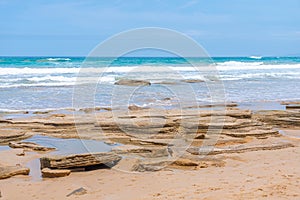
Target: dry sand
251 175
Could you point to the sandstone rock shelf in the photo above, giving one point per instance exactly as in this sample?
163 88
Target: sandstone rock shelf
79 160
154 134
9 171
55 173
30 146
130 82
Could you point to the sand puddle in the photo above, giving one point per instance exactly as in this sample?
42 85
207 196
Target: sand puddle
63 147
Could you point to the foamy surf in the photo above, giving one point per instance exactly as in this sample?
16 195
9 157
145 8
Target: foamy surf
48 82
58 59
235 65
256 57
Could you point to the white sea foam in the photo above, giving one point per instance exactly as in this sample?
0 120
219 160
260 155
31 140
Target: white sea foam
288 75
51 81
37 85
234 65
38 79
52 78
26 77
237 63
27 70
16 111
58 59
256 57
231 65
121 69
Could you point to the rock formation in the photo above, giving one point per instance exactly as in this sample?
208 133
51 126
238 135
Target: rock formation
9 171
55 173
157 138
129 82
79 160
29 146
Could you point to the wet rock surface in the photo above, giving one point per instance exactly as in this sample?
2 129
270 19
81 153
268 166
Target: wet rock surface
296 106
192 81
130 82
29 146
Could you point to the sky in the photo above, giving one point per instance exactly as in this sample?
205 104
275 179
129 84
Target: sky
222 27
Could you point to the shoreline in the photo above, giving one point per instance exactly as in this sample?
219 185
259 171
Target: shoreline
251 105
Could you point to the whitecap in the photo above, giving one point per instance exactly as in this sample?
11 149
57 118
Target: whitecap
256 57
58 59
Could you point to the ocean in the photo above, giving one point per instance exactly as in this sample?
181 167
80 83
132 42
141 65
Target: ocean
45 83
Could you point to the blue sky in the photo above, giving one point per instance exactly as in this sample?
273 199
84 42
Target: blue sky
222 27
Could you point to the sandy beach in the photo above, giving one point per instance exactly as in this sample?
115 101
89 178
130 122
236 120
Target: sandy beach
149 100
251 159
251 175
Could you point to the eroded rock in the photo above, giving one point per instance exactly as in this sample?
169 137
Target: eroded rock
166 82
150 152
41 112
8 135
192 81
151 166
30 146
279 118
148 134
293 106
79 160
55 173
254 133
129 82
135 107
239 148
185 162
289 102
9 171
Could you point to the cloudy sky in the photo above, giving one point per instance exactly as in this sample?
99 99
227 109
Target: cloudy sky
222 27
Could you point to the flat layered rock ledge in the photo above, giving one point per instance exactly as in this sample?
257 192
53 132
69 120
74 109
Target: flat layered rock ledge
152 136
241 148
130 82
79 160
29 146
8 135
55 173
280 118
9 171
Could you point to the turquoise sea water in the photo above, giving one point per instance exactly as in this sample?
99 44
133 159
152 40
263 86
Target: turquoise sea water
35 83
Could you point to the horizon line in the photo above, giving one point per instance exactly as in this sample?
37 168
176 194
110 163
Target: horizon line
78 56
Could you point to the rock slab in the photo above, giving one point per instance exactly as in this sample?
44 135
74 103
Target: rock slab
29 145
79 160
9 171
129 82
11 135
55 173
